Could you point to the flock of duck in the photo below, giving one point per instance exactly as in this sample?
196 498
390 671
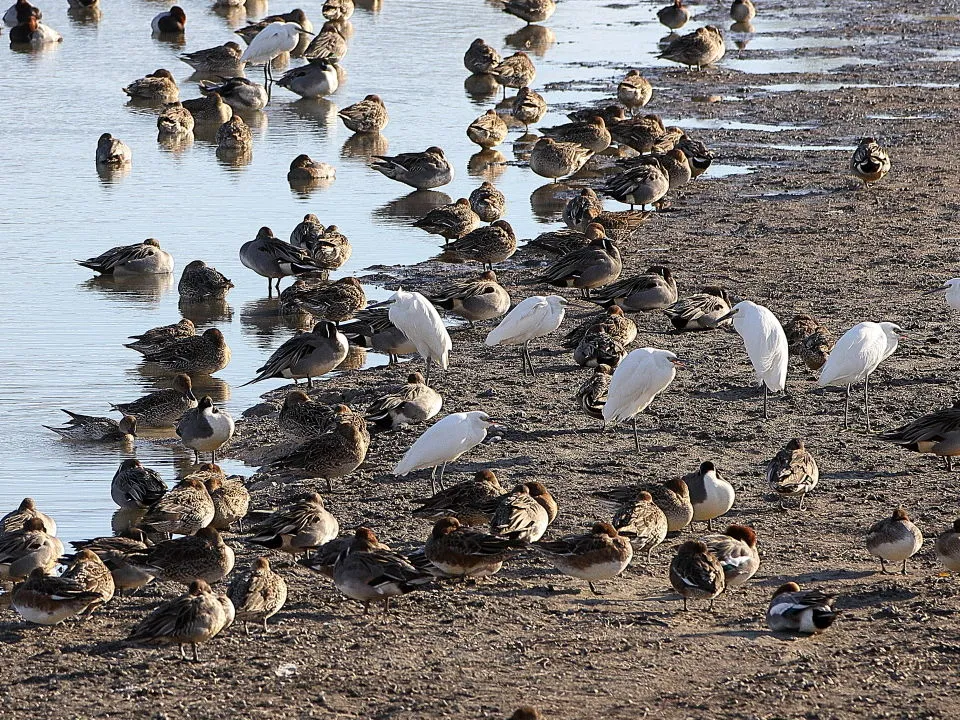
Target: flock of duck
478 525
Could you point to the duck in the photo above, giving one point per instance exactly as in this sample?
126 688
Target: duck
222 60
136 486
643 134
234 136
698 49
611 322
367 116
88 571
654 290
742 11
793 472
306 355
49 600
468 501
701 311
488 130
674 16
870 162
601 554
936 433
89 428
695 573
237 92
334 301
200 283
810 339
145 258
19 12
338 10
26 510
800 611
372 328
642 184
672 496
599 349
415 402
698 155
450 222
575 211
209 110
274 259
527 712
594 266
947 548
519 516
156 87
203 354
515 71
528 107
675 164
231 499
367 573
620 226
554 160
462 552
480 58
202 556
736 550
634 91
28 548
643 522
592 394
423 170
530 11
258 594
476 300
113 552
488 202
205 428
175 121
33 32
489 244
112 152
303 417
300 527
317 78
195 617
183 510
895 539
710 494
334 454
170 22
591 135
303 169
162 336
328 44
610 113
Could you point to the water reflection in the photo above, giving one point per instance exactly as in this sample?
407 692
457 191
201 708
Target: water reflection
112 175
256 9
203 313
481 88
487 164
175 144
742 33
320 111
548 201
355 359
364 146
84 16
176 39
142 288
371 5
235 158
233 15
413 206
535 39
261 321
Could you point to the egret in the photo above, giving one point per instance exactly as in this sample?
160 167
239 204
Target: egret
444 442
416 318
638 379
275 39
766 345
856 355
532 318
952 289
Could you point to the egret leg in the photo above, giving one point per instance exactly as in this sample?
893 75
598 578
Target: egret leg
523 358
426 373
685 603
883 566
866 400
765 393
533 372
801 501
846 410
636 437
433 480
440 479
903 568
269 287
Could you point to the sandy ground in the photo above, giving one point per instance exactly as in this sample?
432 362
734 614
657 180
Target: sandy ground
795 235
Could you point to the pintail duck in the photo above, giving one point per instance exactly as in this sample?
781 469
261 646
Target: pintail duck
193 618
88 571
948 548
89 428
601 554
209 110
643 522
488 130
205 428
231 499
644 183
333 301
736 550
136 486
19 12
47 600
489 203
528 107
198 355
593 393
328 246
367 116
338 10
469 501
175 121
698 49
575 211
809 339
515 71
462 552
170 22
372 328
674 16
634 91
159 337
701 311
532 318
300 527
800 611
144 258
237 92
675 163
711 495
29 548
113 552
695 573
793 472
200 283
654 290
157 87
599 349
315 79
451 221
643 134
27 510
204 556
423 170
526 712
302 417
480 58
530 11
591 135
870 162
274 259
329 44
610 114
937 433
334 454
367 575
474 300
894 539
223 60
234 136
257 595
306 355
742 11
415 402
486 245
304 170
699 157
672 496
33 32
554 160
594 266
183 510
612 322
519 516
619 226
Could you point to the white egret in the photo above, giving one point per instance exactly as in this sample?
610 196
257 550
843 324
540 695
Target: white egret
275 39
418 319
638 379
766 345
532 318
856 355
952 289
443 443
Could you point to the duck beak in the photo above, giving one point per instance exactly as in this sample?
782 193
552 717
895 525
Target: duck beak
936 290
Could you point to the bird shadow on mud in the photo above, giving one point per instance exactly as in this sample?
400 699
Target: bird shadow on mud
821 576
862 598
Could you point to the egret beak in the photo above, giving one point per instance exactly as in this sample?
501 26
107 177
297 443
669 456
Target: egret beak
727 316
936 290
564 301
